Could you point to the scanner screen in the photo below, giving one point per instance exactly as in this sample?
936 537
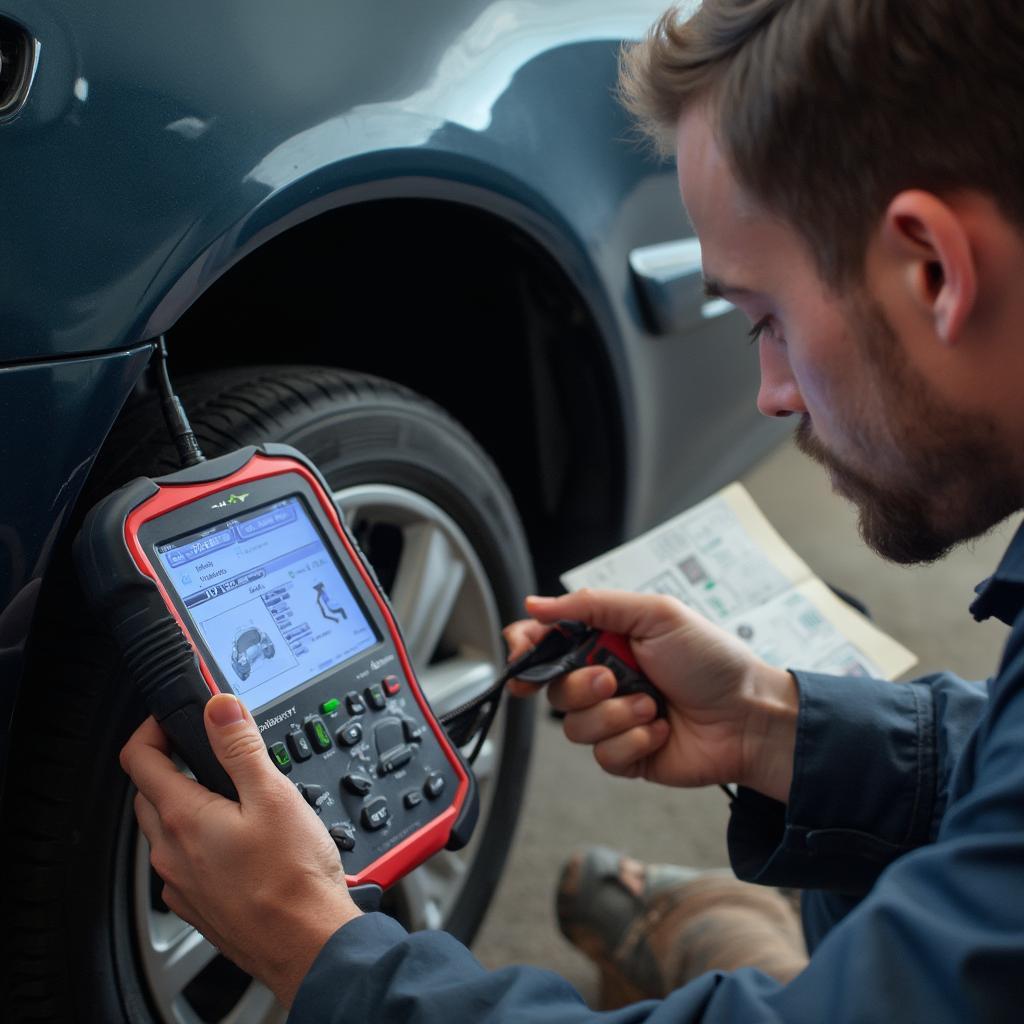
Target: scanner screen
268 598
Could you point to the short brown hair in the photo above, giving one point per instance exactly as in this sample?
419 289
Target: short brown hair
826 109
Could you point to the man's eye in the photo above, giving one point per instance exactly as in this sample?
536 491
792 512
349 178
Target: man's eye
759 328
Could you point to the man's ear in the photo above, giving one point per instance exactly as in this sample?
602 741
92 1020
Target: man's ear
930 242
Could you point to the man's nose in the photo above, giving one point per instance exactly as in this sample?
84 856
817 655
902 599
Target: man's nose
779 394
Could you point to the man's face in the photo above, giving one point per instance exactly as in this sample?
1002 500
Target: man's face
923 473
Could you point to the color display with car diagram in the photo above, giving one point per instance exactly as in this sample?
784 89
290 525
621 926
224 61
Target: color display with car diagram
268 600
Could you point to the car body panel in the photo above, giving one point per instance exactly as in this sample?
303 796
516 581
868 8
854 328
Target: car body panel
155 134
71 403
161 144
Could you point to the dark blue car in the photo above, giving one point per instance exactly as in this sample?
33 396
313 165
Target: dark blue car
413 240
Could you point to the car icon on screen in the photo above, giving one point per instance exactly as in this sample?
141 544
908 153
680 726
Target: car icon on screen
250 645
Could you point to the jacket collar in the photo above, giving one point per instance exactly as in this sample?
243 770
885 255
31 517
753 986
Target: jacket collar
1002 594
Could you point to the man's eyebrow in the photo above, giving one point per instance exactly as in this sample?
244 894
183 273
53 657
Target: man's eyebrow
714 289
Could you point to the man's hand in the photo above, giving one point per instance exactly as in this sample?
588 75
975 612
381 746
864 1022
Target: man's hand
261 879
731 717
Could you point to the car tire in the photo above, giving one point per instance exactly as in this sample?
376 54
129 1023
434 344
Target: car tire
84 921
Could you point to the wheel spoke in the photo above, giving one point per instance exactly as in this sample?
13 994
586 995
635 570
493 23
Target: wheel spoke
426 587
349 512
446 866
181 960
257 1006
486 761
421 912
450 683
431 889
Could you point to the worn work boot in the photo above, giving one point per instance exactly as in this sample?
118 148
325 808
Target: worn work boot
652 927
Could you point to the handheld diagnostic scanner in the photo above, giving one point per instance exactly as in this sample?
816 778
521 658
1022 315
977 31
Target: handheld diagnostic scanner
237 575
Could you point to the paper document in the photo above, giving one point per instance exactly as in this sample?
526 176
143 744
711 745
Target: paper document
723 558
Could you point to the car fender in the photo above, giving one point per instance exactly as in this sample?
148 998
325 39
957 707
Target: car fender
160 144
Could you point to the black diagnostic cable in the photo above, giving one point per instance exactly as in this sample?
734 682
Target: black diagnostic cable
559 651
189 452
568 646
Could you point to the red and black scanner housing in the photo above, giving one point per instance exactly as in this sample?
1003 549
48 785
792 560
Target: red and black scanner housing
391 787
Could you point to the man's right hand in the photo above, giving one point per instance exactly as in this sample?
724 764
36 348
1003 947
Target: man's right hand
731 717
260 878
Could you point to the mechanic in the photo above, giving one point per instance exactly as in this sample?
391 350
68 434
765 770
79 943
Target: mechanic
853 169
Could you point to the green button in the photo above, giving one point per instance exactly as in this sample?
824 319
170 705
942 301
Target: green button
329 705
281 757
322 735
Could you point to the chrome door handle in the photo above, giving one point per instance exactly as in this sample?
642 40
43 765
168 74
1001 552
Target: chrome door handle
670 283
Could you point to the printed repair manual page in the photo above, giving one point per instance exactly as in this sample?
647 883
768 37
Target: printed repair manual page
724 558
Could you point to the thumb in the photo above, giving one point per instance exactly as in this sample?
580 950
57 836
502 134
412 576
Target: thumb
640 616
237 744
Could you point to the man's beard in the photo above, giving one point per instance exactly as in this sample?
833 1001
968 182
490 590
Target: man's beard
944 476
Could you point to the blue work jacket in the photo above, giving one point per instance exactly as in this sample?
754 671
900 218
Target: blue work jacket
907 806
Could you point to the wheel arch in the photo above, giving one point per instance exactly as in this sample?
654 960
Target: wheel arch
409 278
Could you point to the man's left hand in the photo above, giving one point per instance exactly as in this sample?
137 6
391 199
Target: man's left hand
261 878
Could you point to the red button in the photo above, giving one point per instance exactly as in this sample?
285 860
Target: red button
392 685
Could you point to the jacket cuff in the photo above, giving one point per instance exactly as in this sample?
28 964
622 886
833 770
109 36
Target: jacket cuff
356 945
864 780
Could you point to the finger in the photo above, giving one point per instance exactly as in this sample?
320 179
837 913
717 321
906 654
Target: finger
178 903
619 753
237 744
145 757
149 820
619 611
517 688
582 689
522 635
148 734
161 855
609 718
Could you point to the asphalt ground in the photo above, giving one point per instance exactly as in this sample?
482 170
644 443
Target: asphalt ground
571 803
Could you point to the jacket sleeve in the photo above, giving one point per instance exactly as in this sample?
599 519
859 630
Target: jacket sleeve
939 938
871 778
373 970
